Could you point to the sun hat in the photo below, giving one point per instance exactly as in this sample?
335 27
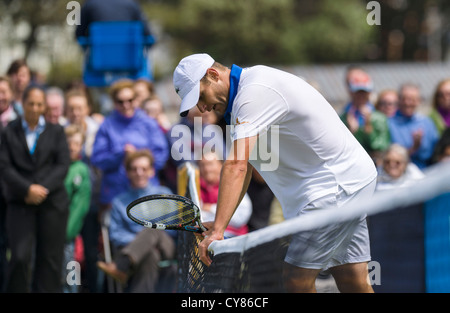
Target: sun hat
186 79
361 82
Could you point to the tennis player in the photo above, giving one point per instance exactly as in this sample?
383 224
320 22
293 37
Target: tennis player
320 163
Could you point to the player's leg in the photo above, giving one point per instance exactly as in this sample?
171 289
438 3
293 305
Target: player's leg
310 251
352 277
350 270
299 280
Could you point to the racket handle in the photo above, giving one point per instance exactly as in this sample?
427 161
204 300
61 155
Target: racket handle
193 229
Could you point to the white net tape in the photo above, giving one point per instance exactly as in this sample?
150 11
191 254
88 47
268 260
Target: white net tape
435 183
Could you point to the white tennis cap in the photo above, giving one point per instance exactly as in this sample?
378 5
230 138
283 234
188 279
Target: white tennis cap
186 79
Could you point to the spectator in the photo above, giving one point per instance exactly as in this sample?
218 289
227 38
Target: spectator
154 108
7 115
138 249
111 10
78 186
440 111
442 149
396 169
368 126
412 129
210 167
188 137
144 89
20 75
397 236
387 102
81 88
262 198
124 131
78 114
55 106
33 172
7 112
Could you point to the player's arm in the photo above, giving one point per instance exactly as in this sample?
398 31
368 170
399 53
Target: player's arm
234 180
247 180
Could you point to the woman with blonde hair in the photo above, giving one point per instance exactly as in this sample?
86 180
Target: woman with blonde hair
440 111
125 130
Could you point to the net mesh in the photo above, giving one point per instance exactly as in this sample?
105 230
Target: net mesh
191 271
409 229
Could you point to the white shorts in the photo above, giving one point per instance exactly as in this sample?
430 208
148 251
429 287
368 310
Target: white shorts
335 244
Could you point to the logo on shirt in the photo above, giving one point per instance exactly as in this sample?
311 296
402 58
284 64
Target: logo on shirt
189 144
240 123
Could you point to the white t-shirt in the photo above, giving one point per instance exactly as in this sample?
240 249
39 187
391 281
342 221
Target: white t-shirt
309 152
240 217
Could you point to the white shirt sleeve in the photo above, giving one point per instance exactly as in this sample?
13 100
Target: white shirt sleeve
257 108
240 217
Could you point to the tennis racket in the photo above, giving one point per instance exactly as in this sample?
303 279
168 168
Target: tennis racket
171 212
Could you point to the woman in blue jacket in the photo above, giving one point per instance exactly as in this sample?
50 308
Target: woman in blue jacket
125 130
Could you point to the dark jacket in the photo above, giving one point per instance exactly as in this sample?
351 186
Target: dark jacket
48 165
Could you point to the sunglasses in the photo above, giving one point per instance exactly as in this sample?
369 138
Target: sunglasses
388 103
443 94
122 102
393 162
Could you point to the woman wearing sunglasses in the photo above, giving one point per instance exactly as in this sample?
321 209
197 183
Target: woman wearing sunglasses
125 130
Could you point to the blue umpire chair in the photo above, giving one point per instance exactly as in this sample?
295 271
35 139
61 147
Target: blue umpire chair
116 50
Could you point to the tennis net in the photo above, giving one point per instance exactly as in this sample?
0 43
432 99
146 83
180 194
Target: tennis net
410 241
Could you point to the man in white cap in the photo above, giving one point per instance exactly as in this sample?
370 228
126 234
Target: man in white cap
320 163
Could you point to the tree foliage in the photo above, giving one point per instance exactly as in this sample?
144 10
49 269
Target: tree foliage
267 31
35 13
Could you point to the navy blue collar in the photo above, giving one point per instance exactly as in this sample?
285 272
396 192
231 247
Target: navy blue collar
235 77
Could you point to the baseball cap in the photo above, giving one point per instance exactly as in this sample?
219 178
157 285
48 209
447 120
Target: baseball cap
186 79
361 82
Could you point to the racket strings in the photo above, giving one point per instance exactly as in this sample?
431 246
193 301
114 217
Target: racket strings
163 211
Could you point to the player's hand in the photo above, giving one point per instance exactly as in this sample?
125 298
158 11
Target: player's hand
208 237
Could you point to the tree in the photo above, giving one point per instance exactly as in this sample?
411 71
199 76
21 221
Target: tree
414 30
267 31
35 14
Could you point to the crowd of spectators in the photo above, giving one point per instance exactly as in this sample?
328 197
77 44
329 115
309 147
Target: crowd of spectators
67 171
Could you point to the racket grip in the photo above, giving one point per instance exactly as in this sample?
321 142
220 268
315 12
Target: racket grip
193 229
